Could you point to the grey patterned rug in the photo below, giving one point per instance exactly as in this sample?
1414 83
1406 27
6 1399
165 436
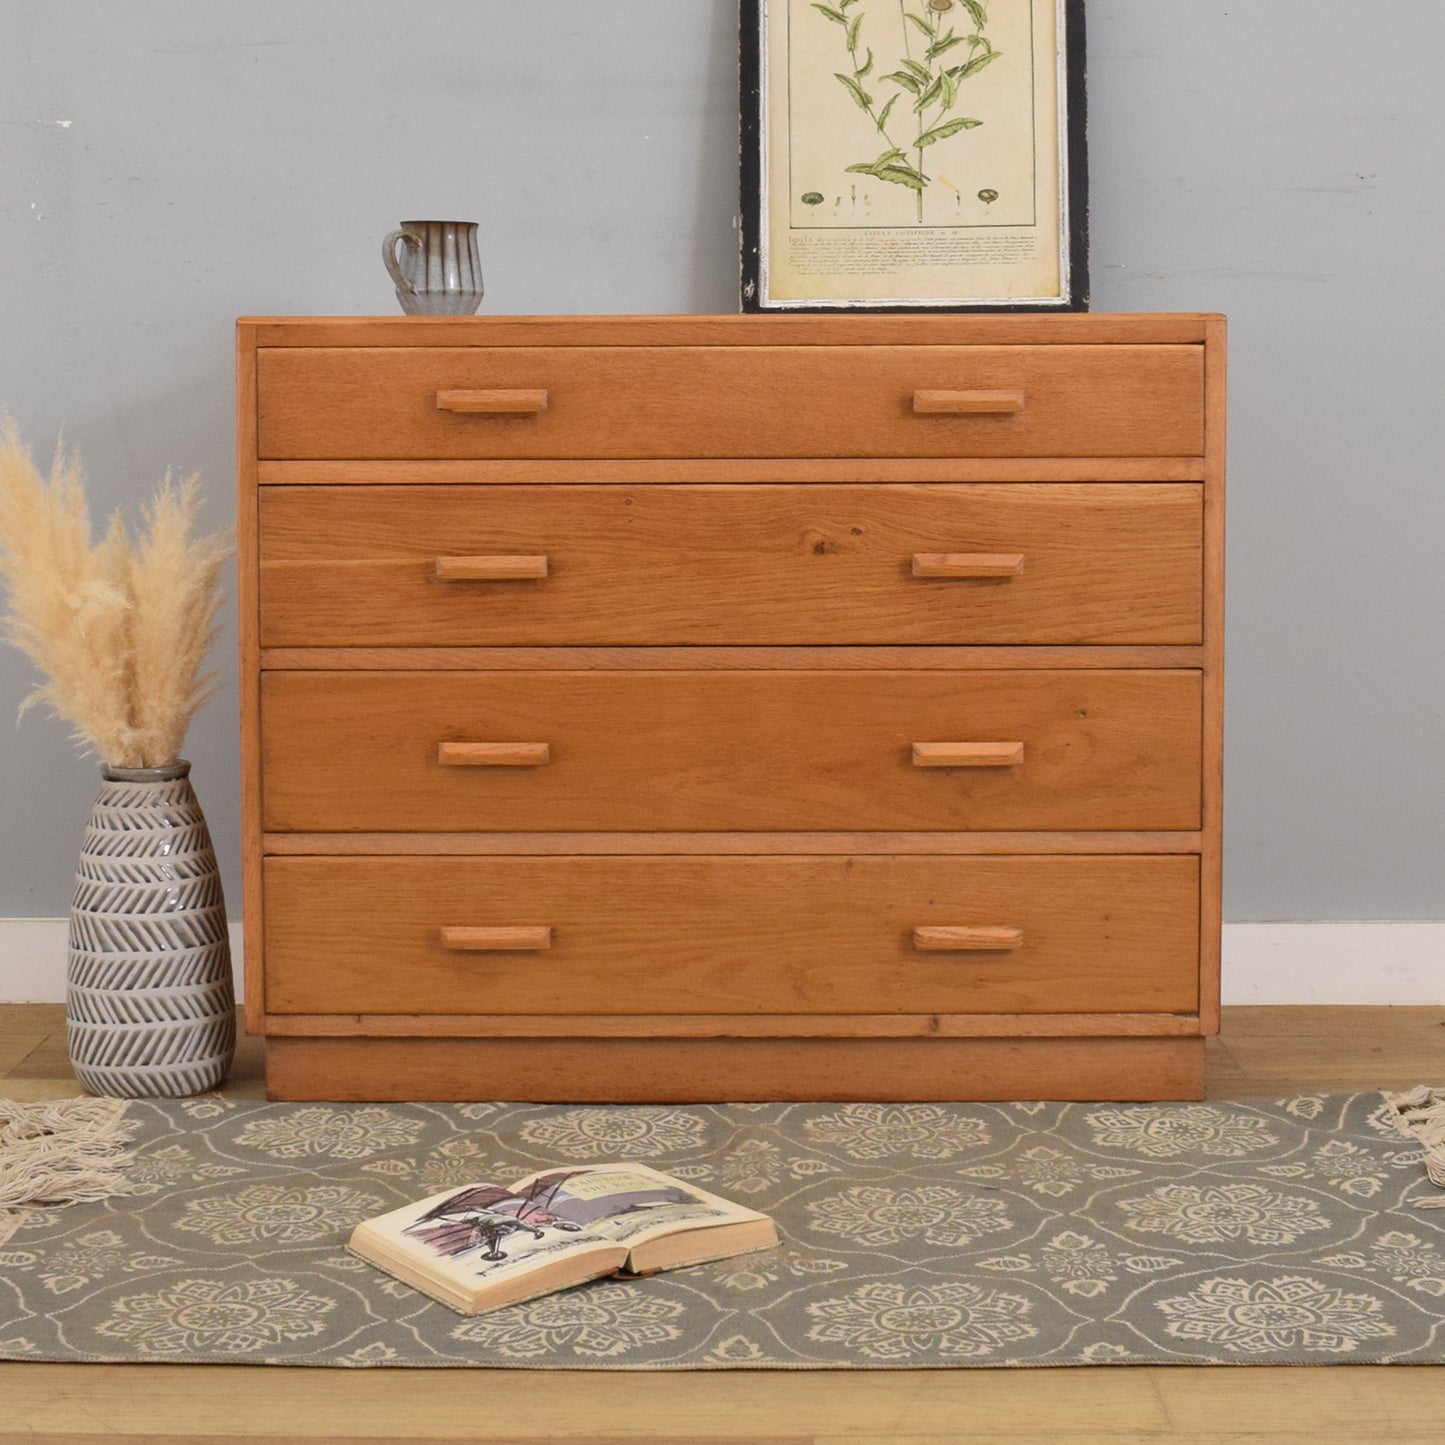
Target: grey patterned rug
915 1235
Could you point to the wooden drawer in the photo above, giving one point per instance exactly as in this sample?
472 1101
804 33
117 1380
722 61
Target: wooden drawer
1030 563
729 401
639 935
718 751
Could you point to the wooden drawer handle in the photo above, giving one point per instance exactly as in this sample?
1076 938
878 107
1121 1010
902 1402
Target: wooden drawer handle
496 940
967 940
490 569
968 403
493 755
968 564
492 403
967 755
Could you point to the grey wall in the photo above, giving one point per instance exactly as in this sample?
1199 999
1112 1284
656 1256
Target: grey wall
166 166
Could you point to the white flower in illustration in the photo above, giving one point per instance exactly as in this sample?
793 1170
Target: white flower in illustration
1411 1261
1291 1313
899 1322
202 1316
155 1169
600 1322
207 1106
873 1214
598 1133
1349 1168
457 1162
767 1266
18 1345
1213 1213
805 1168
90 1257
750 1167
373 1354
1081 1265
922 1131
1102 1354
392 1168
336 1132
736 1349
1048 1171
1169 1130
286 1215
1309 1107
477 1111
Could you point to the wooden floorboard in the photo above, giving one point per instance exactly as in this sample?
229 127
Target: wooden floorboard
1261 1052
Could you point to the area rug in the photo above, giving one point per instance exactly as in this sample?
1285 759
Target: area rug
914 1236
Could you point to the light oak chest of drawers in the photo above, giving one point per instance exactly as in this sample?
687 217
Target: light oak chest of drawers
681 708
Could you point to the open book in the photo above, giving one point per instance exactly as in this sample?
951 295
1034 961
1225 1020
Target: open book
484 1246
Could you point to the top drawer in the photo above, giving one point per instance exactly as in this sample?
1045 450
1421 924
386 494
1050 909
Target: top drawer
729 401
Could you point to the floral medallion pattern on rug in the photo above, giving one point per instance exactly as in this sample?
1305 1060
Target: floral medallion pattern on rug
913 1236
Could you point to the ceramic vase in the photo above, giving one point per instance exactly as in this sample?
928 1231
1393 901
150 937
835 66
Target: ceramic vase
150 1008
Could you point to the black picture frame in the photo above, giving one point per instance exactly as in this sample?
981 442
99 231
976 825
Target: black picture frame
1074 188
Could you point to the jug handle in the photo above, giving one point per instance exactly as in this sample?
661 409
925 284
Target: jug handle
388 255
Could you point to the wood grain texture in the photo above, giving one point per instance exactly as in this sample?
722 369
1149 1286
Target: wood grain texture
735 1026
654 935
739 564
1211 877
248 649
663 843
698 1070
371 472
723 751
1096 329
721 659
676 401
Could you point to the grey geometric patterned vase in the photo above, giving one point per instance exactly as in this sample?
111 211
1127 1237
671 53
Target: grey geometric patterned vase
150 1009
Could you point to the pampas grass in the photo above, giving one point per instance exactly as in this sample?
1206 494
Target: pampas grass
119 627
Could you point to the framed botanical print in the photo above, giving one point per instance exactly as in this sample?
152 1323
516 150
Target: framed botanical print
914 154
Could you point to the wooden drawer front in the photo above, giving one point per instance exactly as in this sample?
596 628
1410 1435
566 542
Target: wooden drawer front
639 935
729 401
637 751
1031 563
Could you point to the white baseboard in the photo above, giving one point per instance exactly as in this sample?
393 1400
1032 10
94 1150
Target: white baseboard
1281 963
1367 962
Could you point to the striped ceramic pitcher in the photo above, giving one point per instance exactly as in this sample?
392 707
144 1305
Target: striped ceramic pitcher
438 271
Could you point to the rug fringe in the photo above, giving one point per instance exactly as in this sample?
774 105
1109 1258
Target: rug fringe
1420 1115
60 1151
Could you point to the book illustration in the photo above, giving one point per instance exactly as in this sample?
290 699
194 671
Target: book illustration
481 1217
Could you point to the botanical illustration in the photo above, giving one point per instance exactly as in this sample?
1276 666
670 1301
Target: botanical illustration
943 45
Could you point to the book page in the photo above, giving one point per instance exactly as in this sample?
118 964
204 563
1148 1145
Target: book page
483 1232
631 1203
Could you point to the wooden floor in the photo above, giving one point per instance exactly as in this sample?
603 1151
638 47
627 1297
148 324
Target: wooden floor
1262 1052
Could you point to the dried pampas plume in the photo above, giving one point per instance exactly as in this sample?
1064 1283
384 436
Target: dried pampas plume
120 627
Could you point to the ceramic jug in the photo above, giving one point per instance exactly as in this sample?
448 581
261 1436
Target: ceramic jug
437 271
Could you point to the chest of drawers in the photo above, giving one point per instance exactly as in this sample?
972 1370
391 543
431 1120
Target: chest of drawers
682 708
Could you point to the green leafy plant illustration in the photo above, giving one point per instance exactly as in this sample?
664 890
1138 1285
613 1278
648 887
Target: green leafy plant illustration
928 83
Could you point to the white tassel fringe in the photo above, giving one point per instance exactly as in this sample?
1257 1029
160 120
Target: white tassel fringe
1420 1115
63 1151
